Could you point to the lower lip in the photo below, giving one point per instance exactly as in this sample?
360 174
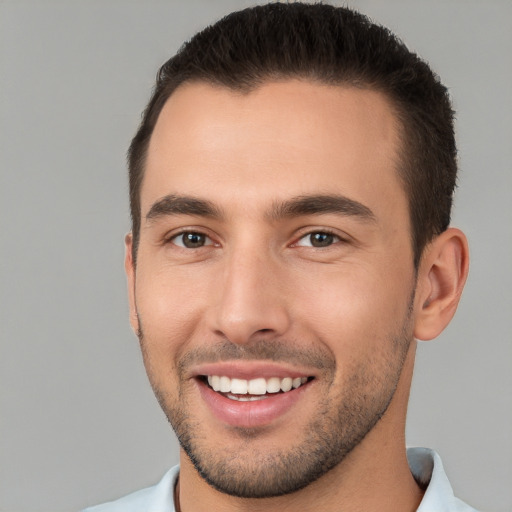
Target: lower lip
249 414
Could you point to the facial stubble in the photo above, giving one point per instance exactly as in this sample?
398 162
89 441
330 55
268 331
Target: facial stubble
242 468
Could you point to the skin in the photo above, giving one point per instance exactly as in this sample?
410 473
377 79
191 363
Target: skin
355 305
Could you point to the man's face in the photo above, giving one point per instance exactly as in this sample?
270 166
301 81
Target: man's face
275 253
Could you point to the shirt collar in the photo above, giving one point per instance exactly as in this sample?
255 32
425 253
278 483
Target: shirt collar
428 471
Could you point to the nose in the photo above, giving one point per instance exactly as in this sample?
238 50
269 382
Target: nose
251 299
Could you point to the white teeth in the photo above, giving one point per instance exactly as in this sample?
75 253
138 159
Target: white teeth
239 386
273 385
225 384
257 388
248 398
286 384
215 383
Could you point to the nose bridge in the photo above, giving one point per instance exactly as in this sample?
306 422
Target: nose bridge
250 298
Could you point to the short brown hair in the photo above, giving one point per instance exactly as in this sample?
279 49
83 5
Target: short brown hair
335 46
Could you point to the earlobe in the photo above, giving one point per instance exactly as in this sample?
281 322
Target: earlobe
441 278
130 277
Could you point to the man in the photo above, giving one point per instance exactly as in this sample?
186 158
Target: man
290 187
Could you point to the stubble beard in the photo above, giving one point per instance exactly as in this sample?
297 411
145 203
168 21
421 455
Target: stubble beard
242 469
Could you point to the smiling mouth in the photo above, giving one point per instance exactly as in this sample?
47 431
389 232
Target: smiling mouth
243 390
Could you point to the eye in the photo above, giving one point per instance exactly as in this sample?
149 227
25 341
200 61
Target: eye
318 239
191 240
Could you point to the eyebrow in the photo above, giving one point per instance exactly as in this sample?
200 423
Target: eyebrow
182 205
295 207
321 204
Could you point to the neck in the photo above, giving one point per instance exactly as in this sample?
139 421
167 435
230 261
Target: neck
375 476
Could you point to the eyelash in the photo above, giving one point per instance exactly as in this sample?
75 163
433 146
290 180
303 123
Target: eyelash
323 231
171 239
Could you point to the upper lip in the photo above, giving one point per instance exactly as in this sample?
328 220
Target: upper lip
249 370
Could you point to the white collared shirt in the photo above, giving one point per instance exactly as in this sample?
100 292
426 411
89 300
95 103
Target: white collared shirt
425 464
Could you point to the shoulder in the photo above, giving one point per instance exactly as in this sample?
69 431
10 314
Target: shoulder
427 469
158 498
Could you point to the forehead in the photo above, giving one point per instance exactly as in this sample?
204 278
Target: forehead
292 137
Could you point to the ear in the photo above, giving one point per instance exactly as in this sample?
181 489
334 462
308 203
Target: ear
130 277
441 278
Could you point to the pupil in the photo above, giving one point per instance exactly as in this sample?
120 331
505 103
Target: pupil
321 239
193 240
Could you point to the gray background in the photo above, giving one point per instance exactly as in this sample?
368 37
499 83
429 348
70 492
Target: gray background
78 422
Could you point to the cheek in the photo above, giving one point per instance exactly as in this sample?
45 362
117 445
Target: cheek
354 307
362 320
169 308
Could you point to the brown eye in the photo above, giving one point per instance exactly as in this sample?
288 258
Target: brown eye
191 240
318 239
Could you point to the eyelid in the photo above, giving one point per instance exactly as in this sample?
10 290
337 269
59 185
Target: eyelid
172 235
341 237
336 239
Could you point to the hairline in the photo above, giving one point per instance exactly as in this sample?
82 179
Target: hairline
400 117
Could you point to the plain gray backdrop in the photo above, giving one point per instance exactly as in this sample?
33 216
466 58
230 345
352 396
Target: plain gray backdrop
78 421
